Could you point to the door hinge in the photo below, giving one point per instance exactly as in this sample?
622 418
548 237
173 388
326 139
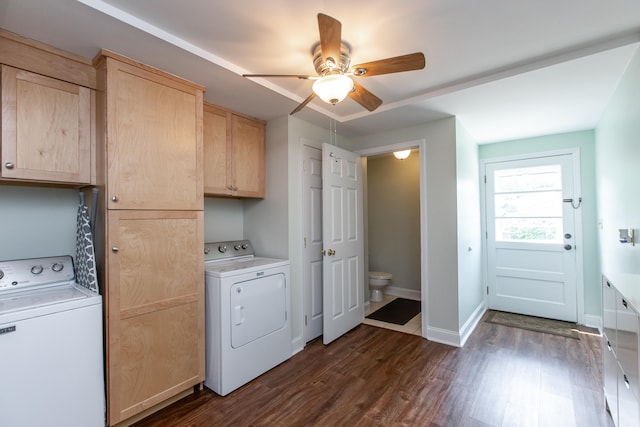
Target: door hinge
487 290
485 179
305 320
305 243
486 234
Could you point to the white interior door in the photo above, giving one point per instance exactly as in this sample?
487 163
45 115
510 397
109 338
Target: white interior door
531 251
312 244
343 244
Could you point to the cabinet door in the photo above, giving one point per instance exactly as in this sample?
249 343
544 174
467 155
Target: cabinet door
154 140
628 405
46 128
155 308
216 131
610 378
248 157
626 349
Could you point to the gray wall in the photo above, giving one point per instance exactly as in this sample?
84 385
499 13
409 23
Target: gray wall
393 206
440 257
618 173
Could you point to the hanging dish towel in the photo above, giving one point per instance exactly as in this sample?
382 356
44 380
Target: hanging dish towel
85 255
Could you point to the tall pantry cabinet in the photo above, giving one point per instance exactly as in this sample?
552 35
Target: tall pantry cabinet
149 168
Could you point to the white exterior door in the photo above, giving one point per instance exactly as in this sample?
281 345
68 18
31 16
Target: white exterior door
343 244
312 244
531 249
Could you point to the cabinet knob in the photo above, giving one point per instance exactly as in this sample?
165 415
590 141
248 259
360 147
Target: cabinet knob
115 249
8 165
114 198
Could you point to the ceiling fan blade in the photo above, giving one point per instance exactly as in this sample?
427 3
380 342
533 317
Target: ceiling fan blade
330 38
364 97
305 102
297 76
410 62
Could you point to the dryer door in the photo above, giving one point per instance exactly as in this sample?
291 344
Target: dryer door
258 308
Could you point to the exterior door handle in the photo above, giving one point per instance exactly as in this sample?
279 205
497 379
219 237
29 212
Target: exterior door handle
568 247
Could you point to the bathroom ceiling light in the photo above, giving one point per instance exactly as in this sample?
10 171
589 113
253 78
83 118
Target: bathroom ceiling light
333 88
401 155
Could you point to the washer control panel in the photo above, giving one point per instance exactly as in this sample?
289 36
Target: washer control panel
26 273
229 249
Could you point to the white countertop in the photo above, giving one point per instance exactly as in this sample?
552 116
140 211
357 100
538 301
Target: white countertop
629 286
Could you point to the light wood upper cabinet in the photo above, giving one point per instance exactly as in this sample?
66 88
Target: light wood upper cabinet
154 138
46 128
234 153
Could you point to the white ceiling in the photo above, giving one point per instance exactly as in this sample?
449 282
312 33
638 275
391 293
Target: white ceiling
507 69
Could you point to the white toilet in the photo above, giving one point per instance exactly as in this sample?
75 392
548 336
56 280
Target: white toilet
377 282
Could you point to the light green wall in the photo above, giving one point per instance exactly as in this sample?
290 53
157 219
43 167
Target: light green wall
585 141
618 173
393 206
470 290
37 222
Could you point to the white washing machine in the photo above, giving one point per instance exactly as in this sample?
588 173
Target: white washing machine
51 358
247 312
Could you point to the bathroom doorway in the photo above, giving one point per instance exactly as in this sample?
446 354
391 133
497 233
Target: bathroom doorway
311 209
392 226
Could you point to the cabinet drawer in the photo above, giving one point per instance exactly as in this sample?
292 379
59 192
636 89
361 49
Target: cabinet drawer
628 405
609 312
627 341
610 379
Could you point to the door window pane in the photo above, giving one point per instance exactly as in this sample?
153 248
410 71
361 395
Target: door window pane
528 204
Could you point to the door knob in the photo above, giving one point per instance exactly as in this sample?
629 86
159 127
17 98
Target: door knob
331 252
567 247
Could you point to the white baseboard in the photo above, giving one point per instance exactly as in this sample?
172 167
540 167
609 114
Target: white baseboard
471 323
297 345
403 293
453 338
443 336
593 321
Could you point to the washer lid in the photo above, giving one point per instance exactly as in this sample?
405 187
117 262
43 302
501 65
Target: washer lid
33 299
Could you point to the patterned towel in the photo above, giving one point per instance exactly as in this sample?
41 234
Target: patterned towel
85 255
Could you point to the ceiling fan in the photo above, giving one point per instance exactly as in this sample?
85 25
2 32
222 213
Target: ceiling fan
331 59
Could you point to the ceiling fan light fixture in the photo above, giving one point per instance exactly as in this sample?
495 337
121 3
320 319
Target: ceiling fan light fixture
333 88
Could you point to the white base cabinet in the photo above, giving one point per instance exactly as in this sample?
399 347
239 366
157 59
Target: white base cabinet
621 378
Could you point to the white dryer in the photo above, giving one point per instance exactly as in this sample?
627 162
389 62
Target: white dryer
247 314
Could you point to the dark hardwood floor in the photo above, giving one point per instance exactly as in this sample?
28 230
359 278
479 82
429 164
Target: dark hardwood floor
376 377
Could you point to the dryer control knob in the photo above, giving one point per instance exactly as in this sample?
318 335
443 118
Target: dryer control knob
37 269
1 274
222 249
245 246
236 247
58 266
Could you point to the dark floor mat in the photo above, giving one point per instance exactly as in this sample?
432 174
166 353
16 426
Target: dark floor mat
399 311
